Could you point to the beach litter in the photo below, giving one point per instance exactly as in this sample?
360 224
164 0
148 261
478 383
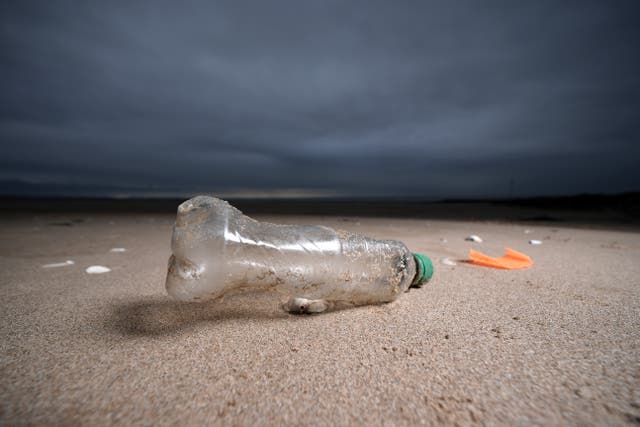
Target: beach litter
97 269
512 260
448 261
535 242
473 238
118 250
217 249
59 264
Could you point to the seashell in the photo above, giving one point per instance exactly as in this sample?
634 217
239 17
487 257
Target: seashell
59 264
97 269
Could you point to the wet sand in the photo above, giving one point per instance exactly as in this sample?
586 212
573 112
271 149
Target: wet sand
557 344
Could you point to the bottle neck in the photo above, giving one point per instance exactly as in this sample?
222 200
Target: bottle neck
424 269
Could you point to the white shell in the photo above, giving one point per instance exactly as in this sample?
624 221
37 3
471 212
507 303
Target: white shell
535 242
97 269
59 264
448 261
118 250
474 238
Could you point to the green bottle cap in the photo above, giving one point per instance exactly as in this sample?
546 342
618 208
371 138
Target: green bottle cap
424 268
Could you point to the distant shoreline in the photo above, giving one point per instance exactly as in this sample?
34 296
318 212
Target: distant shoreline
621 210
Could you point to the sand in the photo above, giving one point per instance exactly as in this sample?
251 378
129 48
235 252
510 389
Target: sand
557 344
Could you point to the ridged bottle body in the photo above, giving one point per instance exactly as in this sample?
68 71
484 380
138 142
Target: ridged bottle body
217 249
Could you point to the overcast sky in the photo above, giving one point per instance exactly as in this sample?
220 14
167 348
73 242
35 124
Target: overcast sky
344 98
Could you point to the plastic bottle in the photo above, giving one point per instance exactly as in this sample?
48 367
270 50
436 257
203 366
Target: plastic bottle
217 249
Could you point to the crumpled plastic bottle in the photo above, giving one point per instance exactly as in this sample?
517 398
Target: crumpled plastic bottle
216 249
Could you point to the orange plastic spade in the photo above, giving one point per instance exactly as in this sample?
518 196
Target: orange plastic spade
513 260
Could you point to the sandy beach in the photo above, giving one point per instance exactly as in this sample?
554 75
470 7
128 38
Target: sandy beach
556 344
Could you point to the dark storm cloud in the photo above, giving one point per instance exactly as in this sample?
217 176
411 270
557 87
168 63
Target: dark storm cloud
347 98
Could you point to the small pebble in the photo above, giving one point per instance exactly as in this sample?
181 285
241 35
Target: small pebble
527 231
448 261
118 250
535 242
59 264
474 238
97 269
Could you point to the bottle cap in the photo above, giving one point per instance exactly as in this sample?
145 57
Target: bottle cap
424 268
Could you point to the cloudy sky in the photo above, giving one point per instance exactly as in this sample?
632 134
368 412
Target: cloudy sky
319 98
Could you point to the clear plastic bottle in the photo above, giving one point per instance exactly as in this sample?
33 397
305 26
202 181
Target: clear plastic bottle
217 249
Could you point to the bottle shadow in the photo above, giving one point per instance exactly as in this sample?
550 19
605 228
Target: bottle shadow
160 316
